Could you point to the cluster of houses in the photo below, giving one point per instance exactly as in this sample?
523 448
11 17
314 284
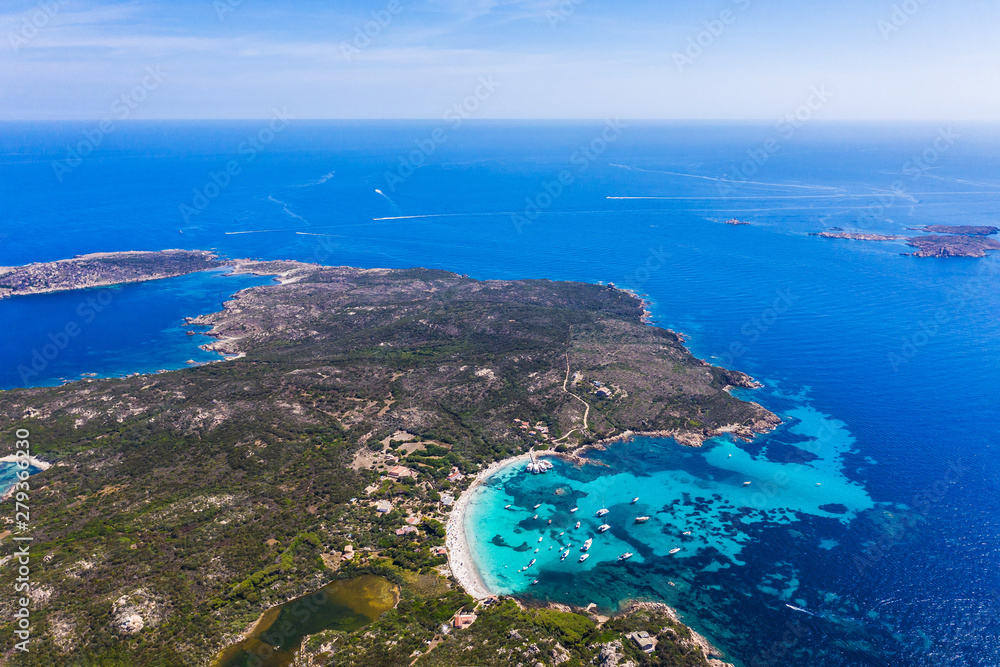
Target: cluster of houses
539 430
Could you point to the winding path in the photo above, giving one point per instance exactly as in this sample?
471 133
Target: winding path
586 413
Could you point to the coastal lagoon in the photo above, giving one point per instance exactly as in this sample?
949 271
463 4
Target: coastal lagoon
344 605
895 553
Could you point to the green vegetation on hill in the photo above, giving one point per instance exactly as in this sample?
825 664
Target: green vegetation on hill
196 499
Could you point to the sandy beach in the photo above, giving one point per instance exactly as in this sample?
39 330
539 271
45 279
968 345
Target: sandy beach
32 460
459 556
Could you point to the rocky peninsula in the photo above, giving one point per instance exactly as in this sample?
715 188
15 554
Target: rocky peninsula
948 241
952 246
364 402
101 270
966 230
856 236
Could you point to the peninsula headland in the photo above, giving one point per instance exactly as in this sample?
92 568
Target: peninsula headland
182 505
101 270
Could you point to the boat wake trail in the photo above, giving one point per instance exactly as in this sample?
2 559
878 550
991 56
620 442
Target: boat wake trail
287 210
804 611
726 180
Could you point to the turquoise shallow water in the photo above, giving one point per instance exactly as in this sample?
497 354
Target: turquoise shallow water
683 490
898 354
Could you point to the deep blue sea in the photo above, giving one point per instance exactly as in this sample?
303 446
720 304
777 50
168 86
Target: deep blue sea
885 367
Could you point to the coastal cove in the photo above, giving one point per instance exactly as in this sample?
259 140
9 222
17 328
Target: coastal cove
112 331
888 362
708 527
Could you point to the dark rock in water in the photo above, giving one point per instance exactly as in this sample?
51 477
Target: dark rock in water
523 547
785 453
834 508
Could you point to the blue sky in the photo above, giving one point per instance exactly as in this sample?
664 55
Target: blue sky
758 59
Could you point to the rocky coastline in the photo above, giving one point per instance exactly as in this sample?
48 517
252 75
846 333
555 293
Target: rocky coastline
102 270
857 236
945 241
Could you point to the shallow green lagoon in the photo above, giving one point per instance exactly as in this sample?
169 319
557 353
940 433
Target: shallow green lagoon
345 605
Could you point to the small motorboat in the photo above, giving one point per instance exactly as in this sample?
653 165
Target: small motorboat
541 538
746 483
584 557
602 512
577 524
537 506
641 519
506 507
603 528
562 533
586 545
574 509
625 556
635 500
673 551
537 550
686 533
535 517
534 582
550 522
532 562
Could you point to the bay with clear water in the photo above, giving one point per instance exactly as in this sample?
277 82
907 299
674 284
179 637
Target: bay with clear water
885 367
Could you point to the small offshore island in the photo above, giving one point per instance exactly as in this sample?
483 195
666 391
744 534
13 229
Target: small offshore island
943 240
184 505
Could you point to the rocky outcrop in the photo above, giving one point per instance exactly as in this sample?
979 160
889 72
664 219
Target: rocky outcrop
856 236
134 611
696 641
965 230
612 654
952 246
